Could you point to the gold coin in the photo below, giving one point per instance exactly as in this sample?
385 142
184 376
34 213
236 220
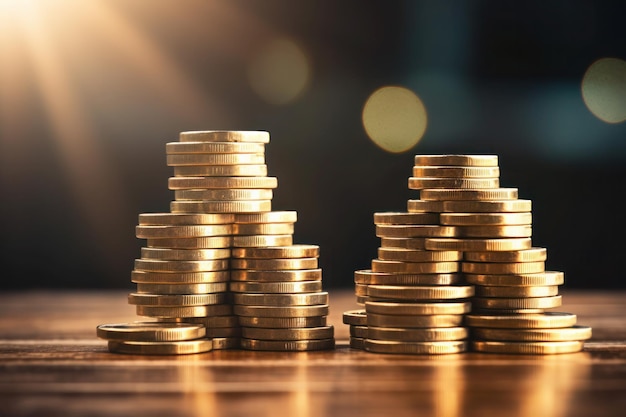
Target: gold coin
176 300
282 322
493 231
508 311
274 264
207 288
282 311
179 219
423 206
263 229
225 136
255 241
268 217
158 232
276 287
517 303
161 348
534 254
233 206
404 231
457 160
443 194
415 348
475 245
404 292
223 194
414 321
184 183
214 321
482 219
537 279
416 309
223 343
185 311
179 277
207 242
416 183
517 292
455 171
184 254
412 255
436 334
414 267
358 331
213 147
150 331
186 159
547 320
357 343
527 348
281 300
360 289
152 265
403 243
302 333
279 275
500 268
361 299
252 170
534 335
355 317
292 251
367 277
494 206
406 218
289 345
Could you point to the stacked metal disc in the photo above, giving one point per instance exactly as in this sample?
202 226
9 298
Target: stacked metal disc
277 292
222 201
463 222
493 228
415 298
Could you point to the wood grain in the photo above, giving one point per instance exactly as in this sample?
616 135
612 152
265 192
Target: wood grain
52 364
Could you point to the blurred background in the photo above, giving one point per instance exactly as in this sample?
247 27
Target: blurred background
91 91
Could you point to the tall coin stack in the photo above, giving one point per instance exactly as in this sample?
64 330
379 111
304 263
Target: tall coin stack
221 211
491 227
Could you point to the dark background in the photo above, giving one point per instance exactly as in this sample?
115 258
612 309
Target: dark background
90 95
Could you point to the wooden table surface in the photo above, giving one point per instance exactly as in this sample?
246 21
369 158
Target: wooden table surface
52 364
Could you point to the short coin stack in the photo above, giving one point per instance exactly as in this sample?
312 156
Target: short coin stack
277 292
468 213
222 206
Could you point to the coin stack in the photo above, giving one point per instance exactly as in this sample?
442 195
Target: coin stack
277 292
415 299
493 230
464 211
222 206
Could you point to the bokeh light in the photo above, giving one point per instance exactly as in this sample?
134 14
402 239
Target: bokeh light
280 72
604 89
394 118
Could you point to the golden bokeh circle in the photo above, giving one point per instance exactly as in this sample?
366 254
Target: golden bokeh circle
394 118
604 89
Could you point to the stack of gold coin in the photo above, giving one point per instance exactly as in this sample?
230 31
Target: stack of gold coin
183 271
414 298
277 294
220 172
493 229
154 338
357 322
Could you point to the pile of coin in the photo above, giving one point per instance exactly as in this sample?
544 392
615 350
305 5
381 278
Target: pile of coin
220 217
465 211
277 292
